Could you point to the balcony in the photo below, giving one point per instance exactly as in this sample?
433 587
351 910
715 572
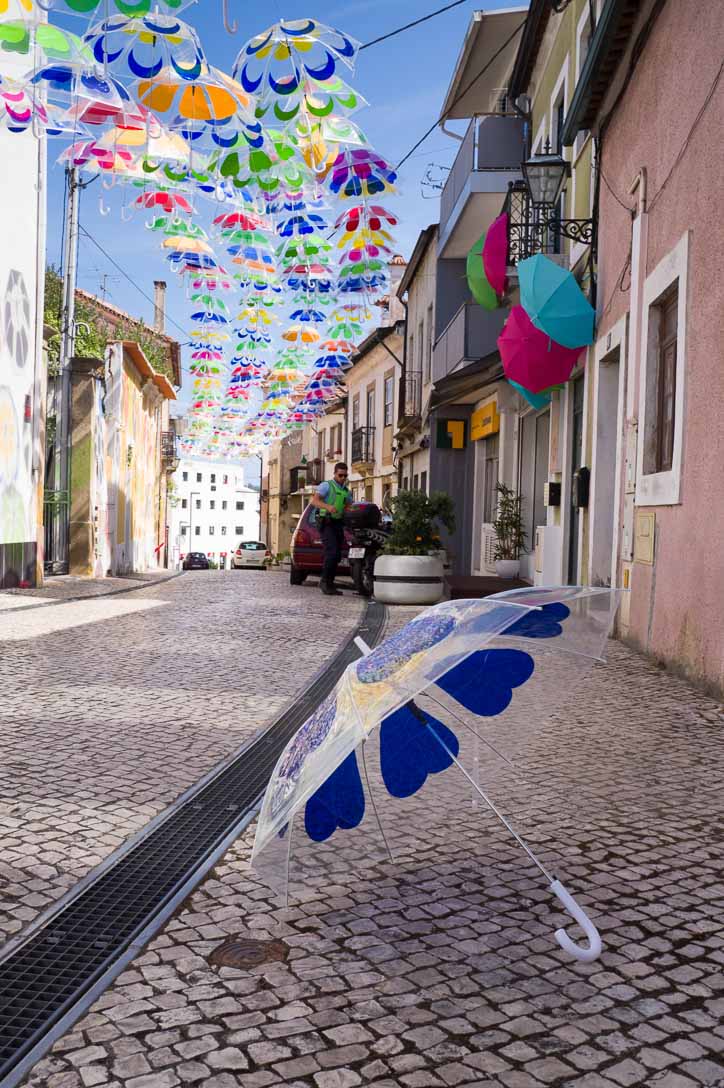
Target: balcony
169 452
471 335
363 446
529 229
411 406
487 162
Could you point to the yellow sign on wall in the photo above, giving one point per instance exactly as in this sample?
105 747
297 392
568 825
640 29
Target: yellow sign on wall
485 421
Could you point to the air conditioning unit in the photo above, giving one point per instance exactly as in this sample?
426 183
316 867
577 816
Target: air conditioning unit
488 549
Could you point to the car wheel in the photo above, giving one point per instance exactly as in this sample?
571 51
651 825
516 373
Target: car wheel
296 576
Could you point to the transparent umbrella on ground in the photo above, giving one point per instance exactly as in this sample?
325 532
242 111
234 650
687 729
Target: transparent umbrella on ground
338 795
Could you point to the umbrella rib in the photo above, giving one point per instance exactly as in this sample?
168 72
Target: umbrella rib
421 716
371 795
466 725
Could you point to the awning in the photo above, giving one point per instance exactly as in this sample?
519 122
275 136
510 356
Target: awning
469 380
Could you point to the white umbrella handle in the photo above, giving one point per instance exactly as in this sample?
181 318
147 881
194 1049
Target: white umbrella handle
579 952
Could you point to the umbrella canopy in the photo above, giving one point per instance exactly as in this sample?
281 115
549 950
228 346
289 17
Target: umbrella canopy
555 303
536 400
495 254
510 657
479 284
530 357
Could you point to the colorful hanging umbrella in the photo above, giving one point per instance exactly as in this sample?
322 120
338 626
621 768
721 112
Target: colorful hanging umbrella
164 201
536 400
530 357
44 42
480 287
274 63
555 303
495 254
148 45
360 172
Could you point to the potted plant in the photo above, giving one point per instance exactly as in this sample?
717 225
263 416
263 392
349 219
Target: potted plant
509 532
410 570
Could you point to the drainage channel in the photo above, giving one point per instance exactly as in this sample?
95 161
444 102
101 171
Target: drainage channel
51 978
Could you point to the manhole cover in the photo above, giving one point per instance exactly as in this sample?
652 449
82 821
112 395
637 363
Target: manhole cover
244 952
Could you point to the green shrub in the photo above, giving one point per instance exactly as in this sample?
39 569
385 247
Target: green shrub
416 520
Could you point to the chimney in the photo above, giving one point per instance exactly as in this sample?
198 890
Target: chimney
159 305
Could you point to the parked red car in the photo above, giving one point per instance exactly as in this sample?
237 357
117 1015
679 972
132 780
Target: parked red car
307 549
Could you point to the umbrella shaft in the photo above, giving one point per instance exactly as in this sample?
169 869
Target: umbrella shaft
421 716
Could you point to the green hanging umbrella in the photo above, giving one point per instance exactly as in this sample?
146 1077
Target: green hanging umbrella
478 282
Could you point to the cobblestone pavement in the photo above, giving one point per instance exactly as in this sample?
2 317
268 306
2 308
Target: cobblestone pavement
64 587
441 969
119 704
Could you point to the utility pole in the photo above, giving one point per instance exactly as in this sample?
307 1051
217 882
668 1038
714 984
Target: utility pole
67 349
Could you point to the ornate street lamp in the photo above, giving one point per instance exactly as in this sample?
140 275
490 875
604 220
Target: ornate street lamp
545 178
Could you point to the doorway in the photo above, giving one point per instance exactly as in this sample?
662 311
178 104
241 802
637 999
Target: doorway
532 476
576 462
603 469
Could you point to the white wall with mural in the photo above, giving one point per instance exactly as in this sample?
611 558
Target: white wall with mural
21 383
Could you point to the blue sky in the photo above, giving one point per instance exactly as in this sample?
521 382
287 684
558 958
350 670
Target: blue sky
403 79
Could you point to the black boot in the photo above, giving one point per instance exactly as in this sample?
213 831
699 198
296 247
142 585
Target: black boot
329 590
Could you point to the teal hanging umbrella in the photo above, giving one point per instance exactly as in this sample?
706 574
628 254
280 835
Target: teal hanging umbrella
554 302
478 282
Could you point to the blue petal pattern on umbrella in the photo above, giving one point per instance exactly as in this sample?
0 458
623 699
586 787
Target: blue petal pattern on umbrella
483 683
545 623
409 753
339 802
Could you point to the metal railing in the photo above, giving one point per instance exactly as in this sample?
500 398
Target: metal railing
412 395
491 143
529 225
169 452
363 444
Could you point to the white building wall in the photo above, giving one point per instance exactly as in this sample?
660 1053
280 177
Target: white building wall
22 371
213 511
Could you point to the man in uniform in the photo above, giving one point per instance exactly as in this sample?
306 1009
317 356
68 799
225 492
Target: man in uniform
330 499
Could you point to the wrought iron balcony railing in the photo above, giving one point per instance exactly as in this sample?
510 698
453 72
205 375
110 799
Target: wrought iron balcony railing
169 453
412 395
539 228
363 445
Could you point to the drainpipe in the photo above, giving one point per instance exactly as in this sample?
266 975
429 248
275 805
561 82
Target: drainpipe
403 380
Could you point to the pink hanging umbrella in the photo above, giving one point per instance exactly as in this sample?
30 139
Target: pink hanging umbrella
495 254
530 357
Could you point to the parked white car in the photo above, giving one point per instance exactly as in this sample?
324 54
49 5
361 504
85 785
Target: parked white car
251 553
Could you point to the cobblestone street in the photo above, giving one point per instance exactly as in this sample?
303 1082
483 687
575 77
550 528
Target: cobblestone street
439 969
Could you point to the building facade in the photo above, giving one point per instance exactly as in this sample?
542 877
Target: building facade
212 510
22 363
417 292
373 384
652 429
471 420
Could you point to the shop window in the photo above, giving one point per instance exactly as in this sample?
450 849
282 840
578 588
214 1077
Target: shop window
490 478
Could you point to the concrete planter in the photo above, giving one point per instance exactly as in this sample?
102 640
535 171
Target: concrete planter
408 579
507 568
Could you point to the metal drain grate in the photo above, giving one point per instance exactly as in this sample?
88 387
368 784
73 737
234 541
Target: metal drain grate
47 975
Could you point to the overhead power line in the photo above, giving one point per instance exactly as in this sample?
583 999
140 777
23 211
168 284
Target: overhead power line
408 26
462 93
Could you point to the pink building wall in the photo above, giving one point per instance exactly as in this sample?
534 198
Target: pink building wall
677 605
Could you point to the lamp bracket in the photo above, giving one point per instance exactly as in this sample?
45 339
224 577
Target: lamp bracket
578 230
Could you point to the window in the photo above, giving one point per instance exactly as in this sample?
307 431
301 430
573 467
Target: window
416 482
420 347
224 504
183 530
428 346
663 335
211 530
185 476
223 530
198 477
411 355
320 444
355 412
198 504
239 505
423 482
405 483
184 503
389 392
370 407
213 477
197 531
490 478
239 530
212 504
226 479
